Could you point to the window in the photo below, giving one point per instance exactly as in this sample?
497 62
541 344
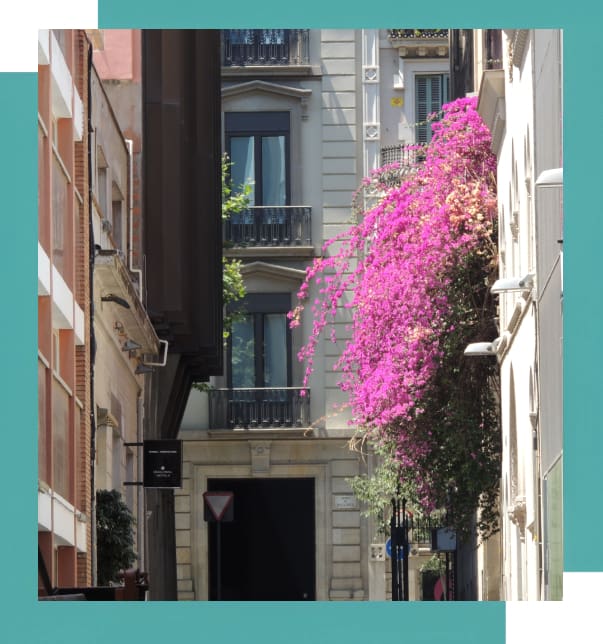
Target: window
117 224
60 215
431 92
61 435
260 343
258 146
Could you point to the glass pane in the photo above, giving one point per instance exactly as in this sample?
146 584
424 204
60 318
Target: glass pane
243 353
274 186
242 170
272 36
275 350
42 442
59 217
60 440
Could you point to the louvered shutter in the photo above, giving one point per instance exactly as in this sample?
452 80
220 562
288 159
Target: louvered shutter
431 91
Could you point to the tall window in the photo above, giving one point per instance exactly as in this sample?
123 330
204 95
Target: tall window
260 344
258 146
431 92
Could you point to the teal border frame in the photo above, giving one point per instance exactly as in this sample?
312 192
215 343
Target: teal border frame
276 622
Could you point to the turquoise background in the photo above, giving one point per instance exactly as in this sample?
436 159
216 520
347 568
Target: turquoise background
26 620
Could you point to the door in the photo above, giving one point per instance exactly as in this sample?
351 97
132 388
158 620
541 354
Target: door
268 552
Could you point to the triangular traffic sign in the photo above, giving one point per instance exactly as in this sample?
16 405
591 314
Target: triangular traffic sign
218 502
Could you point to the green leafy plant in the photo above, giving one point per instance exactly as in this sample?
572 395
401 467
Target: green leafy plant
115 536
233 287
234 200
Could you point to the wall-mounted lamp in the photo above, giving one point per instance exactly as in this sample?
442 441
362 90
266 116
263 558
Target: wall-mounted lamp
130 345
116 299
552 178
143 368
482 348
513 284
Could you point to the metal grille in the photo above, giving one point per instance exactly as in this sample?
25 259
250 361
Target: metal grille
259 408
241 47
270 226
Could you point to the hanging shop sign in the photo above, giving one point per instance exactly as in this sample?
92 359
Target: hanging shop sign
162 463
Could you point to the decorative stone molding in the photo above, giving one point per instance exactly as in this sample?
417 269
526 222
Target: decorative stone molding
260 457
517 514
270 88
106 418
273 271
424 44
514 224
518 39
370 74
371 131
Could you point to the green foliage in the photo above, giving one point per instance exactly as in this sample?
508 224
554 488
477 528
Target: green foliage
376 490
233 201
233 291
233 286
114 534
433 564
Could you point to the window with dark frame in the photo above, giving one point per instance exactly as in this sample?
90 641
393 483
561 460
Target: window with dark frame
257 144
259 349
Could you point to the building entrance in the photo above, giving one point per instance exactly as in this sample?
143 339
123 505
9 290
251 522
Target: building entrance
268 552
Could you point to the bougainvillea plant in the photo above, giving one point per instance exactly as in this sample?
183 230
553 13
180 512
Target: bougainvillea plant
419 265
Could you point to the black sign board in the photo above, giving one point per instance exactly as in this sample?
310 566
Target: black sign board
162 463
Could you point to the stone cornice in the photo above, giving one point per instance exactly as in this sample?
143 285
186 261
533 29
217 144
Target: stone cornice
422 45
302 94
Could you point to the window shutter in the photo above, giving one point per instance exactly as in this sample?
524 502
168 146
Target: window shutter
431 93
422 93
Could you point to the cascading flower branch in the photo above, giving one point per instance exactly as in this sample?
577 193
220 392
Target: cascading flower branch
416 265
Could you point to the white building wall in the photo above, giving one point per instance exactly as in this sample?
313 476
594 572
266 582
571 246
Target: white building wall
524 245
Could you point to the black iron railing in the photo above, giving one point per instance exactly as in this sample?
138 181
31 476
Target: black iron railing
270 226
259 408
241 47
405 155
420 531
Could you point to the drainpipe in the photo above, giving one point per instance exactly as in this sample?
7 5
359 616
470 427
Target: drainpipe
92 336
138 271
140 504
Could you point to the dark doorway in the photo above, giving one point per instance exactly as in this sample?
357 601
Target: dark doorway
268 551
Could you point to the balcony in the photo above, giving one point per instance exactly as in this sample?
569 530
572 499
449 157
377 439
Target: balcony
281 226
265 47
407 156
420 43
260 408
418 33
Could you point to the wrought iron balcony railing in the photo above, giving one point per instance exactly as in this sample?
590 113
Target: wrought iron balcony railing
259 408
405 155
242 47
270 226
